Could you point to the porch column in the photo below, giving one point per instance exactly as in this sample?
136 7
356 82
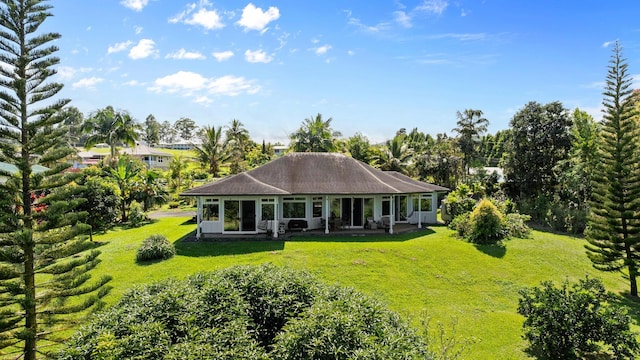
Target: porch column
276 222
326 215
392 217
420 211
198 216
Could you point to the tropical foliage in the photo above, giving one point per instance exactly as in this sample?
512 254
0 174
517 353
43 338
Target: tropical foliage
575 320
315 135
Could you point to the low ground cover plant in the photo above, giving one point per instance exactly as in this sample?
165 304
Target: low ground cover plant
246 312
155 247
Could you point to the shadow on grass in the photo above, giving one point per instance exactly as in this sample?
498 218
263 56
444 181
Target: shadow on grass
358 237
227 247
187 246
496 251
632 304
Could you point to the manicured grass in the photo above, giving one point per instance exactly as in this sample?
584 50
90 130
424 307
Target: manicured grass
429 270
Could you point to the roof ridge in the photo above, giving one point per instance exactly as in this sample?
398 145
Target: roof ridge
361 164
265 184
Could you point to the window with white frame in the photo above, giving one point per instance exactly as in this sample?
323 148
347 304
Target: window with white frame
386 205
211 210
294 208
426 204
317 206
268 209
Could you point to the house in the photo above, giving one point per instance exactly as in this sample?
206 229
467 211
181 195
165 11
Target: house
181 144
151 157
321 191
279 150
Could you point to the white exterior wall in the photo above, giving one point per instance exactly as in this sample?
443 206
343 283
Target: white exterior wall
217 227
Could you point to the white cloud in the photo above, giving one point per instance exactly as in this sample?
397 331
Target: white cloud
136 5
461 37
181 81
403 19
184 54
196 86
68 72
378 28
322 49
144 49
433 6
223 55
138 29
258 56
232 86
119 47
199 15
253 18
87 83
607 43
351 52
132 83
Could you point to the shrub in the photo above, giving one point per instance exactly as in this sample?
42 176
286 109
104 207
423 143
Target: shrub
459 201
246 312
174 205
486 223
136 214
462 225
155 247
515 225
567 322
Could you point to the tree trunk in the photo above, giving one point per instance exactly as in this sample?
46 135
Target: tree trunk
31 324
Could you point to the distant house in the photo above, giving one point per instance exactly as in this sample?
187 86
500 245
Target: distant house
153 158
313 191
279 150
181 144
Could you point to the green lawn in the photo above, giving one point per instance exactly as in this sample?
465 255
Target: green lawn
430 270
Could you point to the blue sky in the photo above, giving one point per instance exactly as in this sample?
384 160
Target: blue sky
372 66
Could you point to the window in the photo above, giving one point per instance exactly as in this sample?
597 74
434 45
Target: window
336 208
368 208
211 210
294 208
386 206
426 204
268 209
317 207
231 215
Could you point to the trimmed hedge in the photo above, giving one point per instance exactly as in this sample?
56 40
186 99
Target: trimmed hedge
246 312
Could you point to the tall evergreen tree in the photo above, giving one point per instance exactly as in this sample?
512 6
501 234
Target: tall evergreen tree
471 125
44 259
614 223
151 131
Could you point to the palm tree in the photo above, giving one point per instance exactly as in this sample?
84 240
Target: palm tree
395 155
315 135
213 151
237 139
111 127
151 191
471 125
